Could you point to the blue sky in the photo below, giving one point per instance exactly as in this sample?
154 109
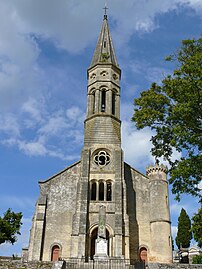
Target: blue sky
45 49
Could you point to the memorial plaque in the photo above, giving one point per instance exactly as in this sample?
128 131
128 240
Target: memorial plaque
101 246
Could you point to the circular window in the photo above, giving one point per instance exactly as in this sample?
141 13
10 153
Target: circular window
102 158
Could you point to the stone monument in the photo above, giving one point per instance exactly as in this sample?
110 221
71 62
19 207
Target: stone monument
101 241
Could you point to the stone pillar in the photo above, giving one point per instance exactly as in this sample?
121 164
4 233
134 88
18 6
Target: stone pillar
117 106
105 191
97 101
109 102
97 191
89 105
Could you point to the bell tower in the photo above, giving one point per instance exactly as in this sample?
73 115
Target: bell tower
101 158
102 124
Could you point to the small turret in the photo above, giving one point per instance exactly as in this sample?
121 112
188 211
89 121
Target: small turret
157 172
161 242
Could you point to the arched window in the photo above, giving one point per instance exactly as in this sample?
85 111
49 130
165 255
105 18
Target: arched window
101 191
113 102
109 191
55 253
93 191
103 101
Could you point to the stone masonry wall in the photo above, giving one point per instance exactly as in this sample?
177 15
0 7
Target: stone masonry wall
29 265
174 266
61 191
49 265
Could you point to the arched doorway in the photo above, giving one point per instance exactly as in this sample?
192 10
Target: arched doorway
93 238
143 254
55 253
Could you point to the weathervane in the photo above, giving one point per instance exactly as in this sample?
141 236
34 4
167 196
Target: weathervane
105 9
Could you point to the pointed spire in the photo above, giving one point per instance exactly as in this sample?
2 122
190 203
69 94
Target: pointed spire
104 51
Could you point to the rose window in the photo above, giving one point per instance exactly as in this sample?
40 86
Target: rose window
102 158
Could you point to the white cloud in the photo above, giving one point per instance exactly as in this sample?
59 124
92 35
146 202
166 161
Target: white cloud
41 148
136 145
73 25
55 125
33 110
75 114
151 73
18 55
55 134
141 15
195 4
175 156
174 231
9 125
32 148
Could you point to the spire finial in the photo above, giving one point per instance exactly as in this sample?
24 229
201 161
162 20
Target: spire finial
105 9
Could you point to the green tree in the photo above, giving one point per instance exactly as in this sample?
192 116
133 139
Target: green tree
10 225
173 110
184 234
197 227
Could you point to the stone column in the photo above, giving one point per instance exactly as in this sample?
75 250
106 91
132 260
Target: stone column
97 191
117 106
89 105
105 191
97 101
109 101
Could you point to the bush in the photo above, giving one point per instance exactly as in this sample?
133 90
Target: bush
197 259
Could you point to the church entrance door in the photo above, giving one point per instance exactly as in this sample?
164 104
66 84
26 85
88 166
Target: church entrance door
93 239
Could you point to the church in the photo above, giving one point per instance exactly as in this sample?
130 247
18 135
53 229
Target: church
100 207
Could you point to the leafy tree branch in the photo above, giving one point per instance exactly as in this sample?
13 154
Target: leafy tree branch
10 225
173 110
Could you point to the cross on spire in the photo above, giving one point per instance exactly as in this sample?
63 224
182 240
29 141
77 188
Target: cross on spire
105 9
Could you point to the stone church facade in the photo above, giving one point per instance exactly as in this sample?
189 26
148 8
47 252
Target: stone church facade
65 223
